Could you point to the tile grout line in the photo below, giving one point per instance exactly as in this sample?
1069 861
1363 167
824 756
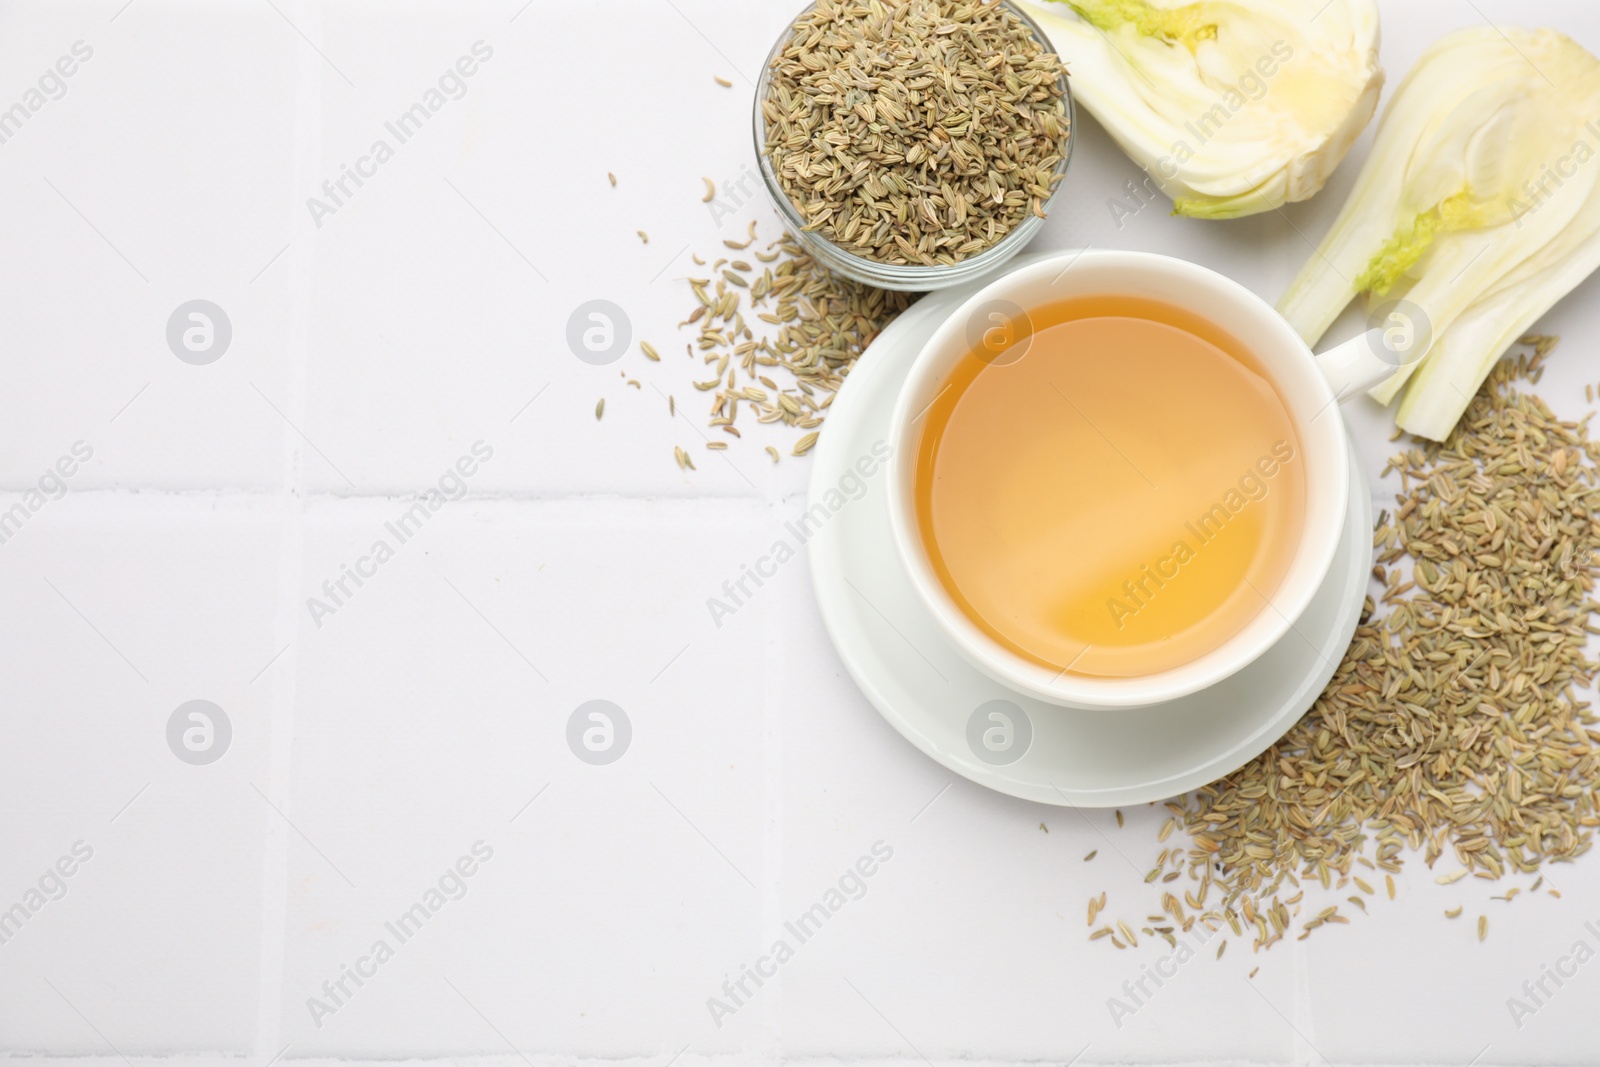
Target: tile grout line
773 662
283 676
772 866
275 865
1305 1054
135 494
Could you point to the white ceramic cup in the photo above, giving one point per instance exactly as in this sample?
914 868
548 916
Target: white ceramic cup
1310 387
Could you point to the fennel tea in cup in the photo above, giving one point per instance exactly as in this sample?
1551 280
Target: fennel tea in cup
1120 497
1118 477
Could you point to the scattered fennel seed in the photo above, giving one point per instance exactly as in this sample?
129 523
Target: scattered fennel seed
778 338
1456 722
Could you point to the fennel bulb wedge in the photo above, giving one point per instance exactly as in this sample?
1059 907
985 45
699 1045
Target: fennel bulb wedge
1479 207
1232 107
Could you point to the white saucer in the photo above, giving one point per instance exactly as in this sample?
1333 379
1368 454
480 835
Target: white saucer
921 684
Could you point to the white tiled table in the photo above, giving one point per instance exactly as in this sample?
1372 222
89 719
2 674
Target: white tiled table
427 714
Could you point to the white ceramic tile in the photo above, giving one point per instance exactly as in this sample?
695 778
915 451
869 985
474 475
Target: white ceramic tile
423 726
445 285
159 177
117 615
369 355
1462 988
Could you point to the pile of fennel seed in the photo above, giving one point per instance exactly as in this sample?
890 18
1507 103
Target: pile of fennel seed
1453 723
779 336
915 131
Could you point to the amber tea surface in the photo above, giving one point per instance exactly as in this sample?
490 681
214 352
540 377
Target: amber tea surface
1121 499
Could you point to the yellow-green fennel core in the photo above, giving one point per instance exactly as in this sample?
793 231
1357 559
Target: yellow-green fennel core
1411 242
1189 24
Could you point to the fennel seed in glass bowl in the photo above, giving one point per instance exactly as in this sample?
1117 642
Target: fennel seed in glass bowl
913 144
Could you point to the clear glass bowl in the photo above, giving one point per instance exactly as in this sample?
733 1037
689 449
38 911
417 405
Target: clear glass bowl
913 278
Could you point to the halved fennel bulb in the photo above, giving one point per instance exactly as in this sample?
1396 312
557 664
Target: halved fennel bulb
1233 107
1479 207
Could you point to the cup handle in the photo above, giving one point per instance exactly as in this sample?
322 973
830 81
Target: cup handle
1358 364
